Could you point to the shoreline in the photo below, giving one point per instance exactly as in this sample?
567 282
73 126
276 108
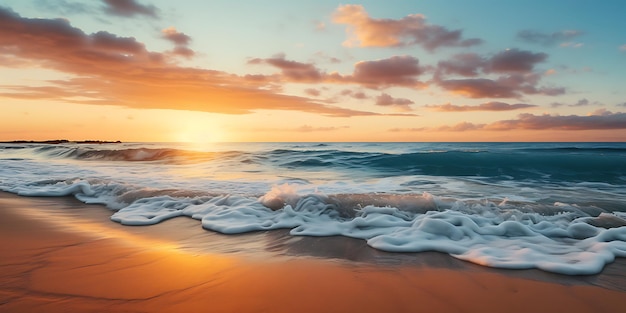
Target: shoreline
98 265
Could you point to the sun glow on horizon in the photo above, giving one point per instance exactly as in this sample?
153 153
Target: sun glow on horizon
198 130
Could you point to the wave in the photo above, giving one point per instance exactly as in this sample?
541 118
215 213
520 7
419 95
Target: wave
573 167
566 163
127 155
547 206
563 238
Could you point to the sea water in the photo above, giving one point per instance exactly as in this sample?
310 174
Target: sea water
559 207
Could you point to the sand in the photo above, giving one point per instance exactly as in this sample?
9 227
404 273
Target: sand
57 255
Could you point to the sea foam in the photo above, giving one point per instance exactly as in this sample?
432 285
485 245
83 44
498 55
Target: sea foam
497 236
559 210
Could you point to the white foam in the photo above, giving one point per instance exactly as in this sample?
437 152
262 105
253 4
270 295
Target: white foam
501 228
561 243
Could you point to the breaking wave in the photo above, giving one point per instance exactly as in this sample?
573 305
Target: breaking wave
557 208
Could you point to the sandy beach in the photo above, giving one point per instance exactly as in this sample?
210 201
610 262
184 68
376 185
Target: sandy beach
59 255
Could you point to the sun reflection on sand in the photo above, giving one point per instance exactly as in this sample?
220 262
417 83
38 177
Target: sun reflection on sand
51 264
99 230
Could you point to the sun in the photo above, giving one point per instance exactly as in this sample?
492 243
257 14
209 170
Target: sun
199 134
197 130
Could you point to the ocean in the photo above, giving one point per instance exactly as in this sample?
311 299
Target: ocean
557 207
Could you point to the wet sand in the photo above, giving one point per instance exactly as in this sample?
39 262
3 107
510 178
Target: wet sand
58 255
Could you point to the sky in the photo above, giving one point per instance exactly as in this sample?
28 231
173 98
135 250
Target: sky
223 70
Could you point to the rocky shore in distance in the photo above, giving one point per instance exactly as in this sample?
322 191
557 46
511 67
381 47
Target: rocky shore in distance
60 141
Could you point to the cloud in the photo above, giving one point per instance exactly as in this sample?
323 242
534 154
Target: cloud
360 95
412 129
129 8
507 86
622 47
514 60
309 129
175 36
460 127
400 103
108 69
515 69
597 120
109 43
579 103
57 44
36 92
292 70
548 39
183 52
464 64
364 31
511 86
312 92
180 40
396 71
479 88
487 106
326 58
63 6
571 44
601 112
504 62
319 25
302 129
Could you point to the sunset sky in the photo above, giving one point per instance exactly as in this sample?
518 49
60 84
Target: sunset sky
223 70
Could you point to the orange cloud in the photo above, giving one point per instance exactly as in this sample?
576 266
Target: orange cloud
364 31
114 70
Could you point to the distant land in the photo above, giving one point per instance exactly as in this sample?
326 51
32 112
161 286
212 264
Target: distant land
59 141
